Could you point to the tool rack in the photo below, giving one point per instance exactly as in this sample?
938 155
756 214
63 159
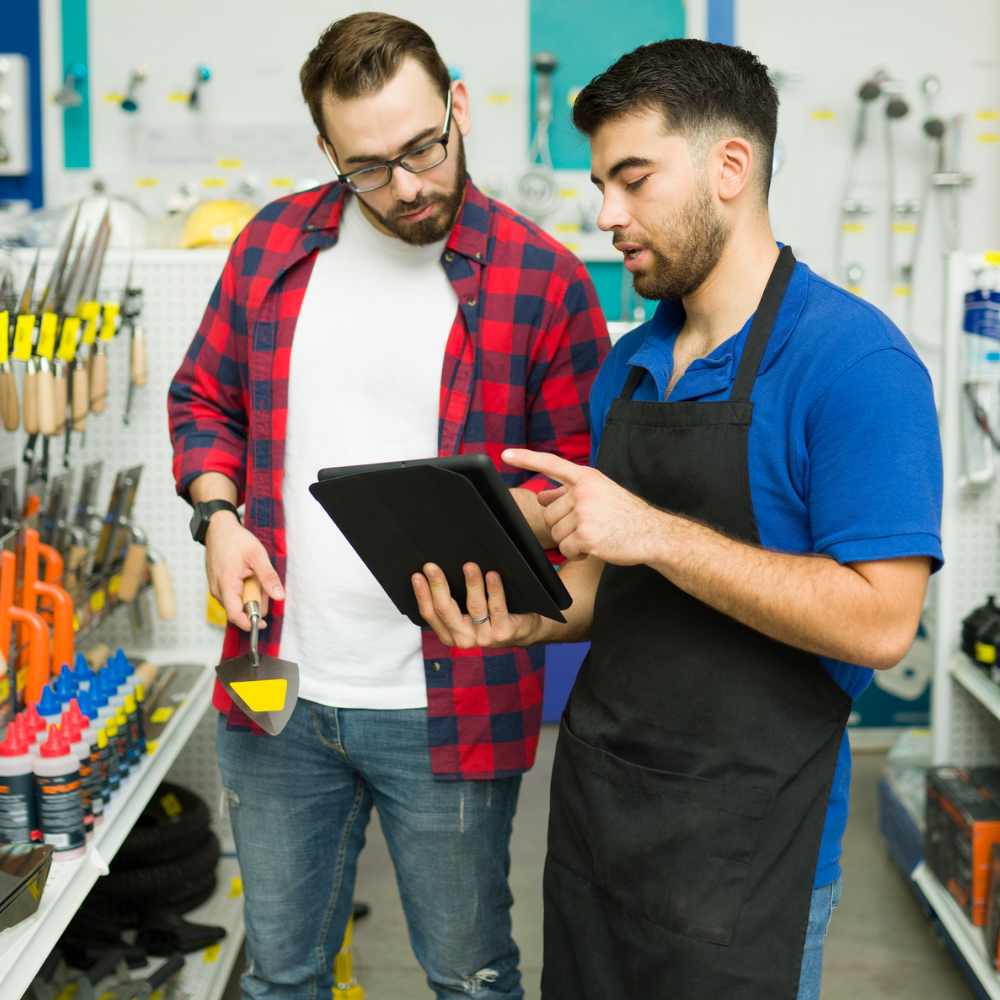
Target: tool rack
965 708
177 286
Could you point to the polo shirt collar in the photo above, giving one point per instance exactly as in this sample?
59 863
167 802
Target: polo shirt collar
716 372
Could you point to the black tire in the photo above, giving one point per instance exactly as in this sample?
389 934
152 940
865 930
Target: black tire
164 882
159 837
192 894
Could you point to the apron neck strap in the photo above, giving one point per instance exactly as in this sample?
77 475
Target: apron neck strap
760 329
635 375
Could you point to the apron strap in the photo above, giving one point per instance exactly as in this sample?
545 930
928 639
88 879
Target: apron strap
635 376
760 329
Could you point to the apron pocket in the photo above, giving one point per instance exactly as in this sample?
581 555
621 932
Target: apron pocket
672 848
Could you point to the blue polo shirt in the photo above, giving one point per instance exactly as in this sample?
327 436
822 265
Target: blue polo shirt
844 451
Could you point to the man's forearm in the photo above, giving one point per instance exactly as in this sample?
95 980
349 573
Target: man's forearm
580 579
534 514
212 486
813 603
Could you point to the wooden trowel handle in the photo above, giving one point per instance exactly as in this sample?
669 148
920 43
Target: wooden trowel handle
251 590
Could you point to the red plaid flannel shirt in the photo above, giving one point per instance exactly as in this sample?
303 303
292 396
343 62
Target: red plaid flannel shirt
523 351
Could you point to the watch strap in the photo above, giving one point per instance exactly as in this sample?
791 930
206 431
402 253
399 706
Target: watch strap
202 514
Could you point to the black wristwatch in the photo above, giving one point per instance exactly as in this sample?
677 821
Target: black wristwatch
202 512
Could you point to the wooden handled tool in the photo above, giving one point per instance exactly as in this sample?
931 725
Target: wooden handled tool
31 398
97 655
99 378
80 394
133 569
74 560
8 398
45 393
163 587
139 372
251 591
60 390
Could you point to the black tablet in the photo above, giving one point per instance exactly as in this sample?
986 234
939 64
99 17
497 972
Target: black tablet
449 511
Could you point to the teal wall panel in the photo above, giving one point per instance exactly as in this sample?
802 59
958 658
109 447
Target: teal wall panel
76 121
587 36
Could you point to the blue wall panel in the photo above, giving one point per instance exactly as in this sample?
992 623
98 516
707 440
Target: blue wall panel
76 121
20 33
721 21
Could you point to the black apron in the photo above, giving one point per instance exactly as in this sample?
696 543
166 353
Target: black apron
696 755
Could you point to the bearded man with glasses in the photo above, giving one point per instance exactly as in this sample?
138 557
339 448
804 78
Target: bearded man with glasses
395 313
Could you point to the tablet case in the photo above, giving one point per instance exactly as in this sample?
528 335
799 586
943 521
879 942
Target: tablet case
400 516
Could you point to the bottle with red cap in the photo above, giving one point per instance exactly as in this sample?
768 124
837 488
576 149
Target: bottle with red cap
81 751
18 815
60 800
34 720
79 730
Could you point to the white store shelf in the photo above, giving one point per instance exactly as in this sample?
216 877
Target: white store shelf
977 684
968 939
25 947
206 972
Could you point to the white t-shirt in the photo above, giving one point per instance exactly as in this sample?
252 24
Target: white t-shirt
363 386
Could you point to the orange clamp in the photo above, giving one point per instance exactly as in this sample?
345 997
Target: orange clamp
62 604
53 563
34 629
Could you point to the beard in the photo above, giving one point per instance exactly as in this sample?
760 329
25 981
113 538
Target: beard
678 271
437 225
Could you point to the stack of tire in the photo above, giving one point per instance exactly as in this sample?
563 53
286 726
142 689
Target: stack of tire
165 868
168 859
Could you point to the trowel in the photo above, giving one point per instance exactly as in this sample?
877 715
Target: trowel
264 687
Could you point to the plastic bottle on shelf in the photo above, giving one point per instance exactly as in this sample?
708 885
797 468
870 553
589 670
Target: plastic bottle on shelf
65 687
82 672
116 741
49 707
81 751
60 801
35 722
79 719
109 761
89 710
140 698
128 736
18 815
132 715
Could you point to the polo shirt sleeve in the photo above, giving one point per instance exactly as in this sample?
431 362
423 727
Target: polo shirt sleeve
874 474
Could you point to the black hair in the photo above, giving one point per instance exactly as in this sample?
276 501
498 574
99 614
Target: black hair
698 86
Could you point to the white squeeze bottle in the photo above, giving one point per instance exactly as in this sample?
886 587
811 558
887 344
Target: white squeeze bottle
60 801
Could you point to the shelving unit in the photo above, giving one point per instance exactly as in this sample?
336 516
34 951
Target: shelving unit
207 972
25 947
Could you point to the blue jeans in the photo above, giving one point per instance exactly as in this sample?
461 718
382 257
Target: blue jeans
299 804
824 902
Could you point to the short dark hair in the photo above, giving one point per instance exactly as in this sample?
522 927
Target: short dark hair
697 86
358 55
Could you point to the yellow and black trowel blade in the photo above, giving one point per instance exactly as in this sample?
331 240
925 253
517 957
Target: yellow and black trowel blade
264 687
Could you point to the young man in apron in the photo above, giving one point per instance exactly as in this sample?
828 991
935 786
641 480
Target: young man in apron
755 539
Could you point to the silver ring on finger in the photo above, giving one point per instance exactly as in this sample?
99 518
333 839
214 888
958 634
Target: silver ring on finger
481 621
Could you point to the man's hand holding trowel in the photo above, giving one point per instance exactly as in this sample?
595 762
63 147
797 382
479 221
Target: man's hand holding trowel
241 578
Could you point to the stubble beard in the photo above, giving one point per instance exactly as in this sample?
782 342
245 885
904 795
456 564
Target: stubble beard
437 226
675 274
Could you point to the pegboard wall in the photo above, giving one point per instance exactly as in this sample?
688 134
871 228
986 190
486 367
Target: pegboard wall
965 731
177 285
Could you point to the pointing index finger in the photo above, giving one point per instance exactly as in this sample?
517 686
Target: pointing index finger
560 469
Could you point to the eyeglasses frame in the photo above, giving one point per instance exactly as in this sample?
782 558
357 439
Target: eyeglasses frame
398 161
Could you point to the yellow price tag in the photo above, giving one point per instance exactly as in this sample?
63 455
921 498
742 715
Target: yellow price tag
498 98
230 164
171 805
236 889
97 600
47 335
147 182
988 137
824 115
108 320
214 182
4 334
67 340
282 182
114 583
22 337
853 227
89 312
151 746
992 257
76 622
211 953
162 714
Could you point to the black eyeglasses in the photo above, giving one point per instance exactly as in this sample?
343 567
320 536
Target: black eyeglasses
426 157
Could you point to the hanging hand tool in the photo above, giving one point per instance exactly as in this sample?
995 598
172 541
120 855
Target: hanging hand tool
8 387
9 512
50 417
163 587
24 327
131 309
91 308
111 542
67 301
264 687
